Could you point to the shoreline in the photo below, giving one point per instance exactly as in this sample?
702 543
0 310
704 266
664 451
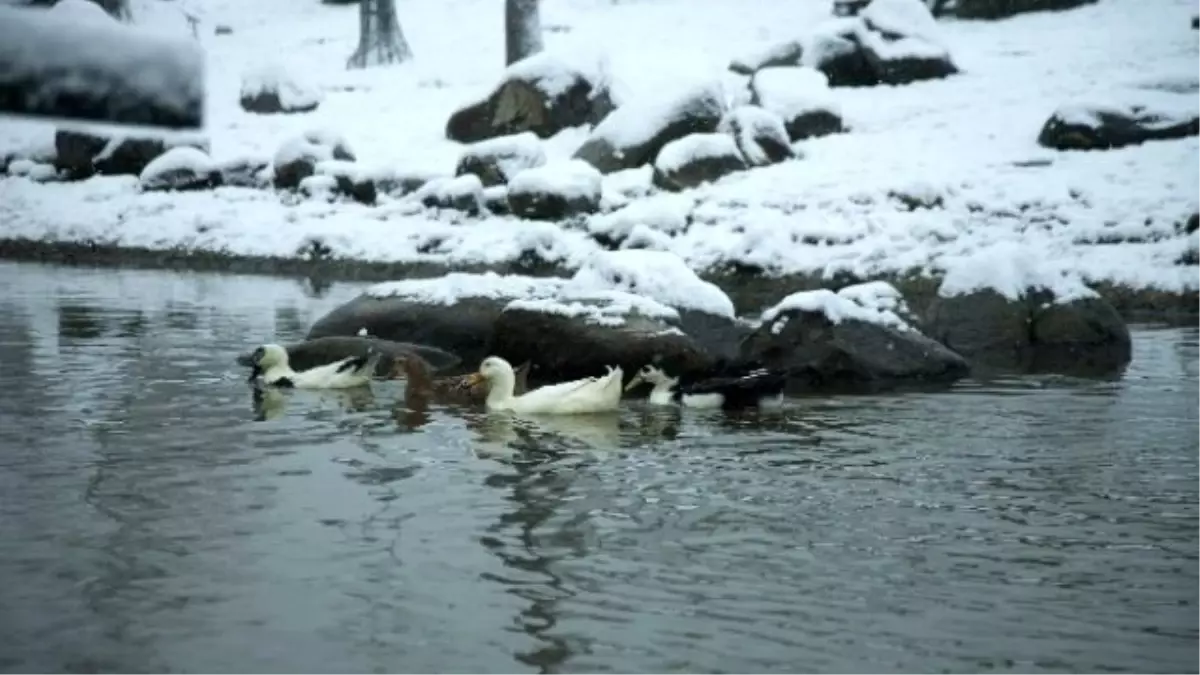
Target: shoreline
750 293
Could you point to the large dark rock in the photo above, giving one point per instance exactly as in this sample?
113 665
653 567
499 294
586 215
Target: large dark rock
759 134
497 160
1099 126
802 99
542 94
324 350
999 9
828 341
635 133
579 337
1031 333
694 160
455 313
555 191
81 154
298 157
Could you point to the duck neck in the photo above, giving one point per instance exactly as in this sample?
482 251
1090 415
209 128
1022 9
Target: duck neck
277 372
663 393
500 390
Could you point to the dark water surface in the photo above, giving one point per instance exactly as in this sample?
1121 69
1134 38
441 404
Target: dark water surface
150 522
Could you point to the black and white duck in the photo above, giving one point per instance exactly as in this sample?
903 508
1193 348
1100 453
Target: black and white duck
723 387
271 368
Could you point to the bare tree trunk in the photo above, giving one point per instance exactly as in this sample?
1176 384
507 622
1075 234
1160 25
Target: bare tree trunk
522 29
380 40
117 9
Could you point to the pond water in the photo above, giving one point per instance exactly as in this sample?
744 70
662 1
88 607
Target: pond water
154 517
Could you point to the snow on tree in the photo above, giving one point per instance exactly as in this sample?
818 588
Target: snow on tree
522 29
380 41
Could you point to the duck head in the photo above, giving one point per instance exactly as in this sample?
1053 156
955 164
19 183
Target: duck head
493 371
652 376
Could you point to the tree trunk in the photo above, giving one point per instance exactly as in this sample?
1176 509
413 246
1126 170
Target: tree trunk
522 29
117 9
380 40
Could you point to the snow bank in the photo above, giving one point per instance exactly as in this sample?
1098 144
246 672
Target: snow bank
636 122
1012 269
694 147
605 308
794 91
457 286
571 179
907 18
874 302
661 276
272 78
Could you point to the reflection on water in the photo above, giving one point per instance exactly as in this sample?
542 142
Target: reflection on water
157 514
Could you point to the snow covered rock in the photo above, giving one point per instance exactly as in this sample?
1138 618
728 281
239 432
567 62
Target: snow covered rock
297 158
555 191
349 180
760 135
856 337
1100 125
999 9
34 171
82 154
697 159
271 89
1008 307
889 43
180 169
642 221
495 200
245 171
579 333
801 97
634 134
464 193
543 93
497 160
455 312
786 53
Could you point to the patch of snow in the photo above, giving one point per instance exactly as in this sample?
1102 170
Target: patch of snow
342 168
79 11
694 147
907 18
21 167
829 39
512 154
318 185
42 173
557 72
661 276
173 161
790 92
1154 109
272 78
904 48
466 185
601 307
637 121
749 123
457 286
572 178
668 215
302 147
1012 270
873 302
760 56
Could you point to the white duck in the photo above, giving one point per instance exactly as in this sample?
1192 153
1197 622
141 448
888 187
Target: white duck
271 364
589 395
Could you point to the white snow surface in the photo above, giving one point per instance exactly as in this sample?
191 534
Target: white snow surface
970 139
1011 270
874 302
605 308
271 77
512 154
659 275
451 288
556 72
910 18
693 147
175 160
637 120
572 178
790 91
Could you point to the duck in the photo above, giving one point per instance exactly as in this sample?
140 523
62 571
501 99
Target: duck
588 395
423 387
271 367
724 388
331 349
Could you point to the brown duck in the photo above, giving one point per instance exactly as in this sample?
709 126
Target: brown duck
423 388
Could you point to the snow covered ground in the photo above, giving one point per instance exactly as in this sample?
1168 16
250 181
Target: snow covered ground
967 142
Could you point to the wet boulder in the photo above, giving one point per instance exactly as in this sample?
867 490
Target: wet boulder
634 134
497 160
555 191
82 154
180 169
759 134
578 334
1101 125
270 89
543 94
464 193
455 312
697 159
801 97
858 337
297 158
320 351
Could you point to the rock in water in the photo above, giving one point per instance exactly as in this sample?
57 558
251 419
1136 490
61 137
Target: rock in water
857 337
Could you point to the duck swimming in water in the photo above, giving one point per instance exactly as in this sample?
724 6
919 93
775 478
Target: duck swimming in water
589 395
723 388
423 388
272 369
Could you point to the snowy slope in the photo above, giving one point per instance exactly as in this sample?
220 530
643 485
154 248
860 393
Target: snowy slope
967 142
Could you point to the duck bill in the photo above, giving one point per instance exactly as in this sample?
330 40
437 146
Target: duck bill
474 379
637 379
